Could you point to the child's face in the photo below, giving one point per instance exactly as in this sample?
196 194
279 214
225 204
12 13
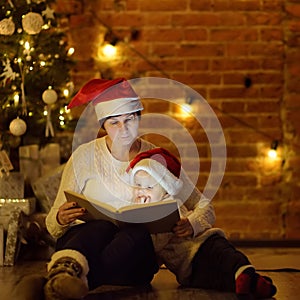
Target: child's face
146 188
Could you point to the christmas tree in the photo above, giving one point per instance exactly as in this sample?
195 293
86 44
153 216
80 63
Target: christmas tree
35 65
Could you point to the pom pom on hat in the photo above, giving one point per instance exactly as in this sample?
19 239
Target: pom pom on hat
163 166
110 97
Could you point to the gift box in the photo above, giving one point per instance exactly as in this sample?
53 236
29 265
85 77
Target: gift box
4 220
29 162
12 246
49 157
35 162
1 245
45 188
27 205
12 185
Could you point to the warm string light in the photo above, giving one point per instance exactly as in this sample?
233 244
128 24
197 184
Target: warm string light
16 99
272 153
109 51
71 51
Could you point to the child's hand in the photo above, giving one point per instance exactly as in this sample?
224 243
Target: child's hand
141 200
183 228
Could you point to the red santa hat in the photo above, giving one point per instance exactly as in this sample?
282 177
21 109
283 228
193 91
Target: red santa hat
163 166
110 97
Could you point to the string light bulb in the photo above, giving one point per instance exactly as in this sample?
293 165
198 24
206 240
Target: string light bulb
71 51
272 153
66 93
109 50
16 99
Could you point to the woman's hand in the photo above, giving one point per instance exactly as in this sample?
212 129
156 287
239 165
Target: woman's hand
69 212
183 228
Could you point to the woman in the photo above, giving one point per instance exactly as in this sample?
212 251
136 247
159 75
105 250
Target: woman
94 253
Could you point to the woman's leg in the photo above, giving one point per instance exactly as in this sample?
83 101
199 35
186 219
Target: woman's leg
129 259
88 238
115 256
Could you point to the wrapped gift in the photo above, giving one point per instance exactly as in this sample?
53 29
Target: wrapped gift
12 241
35 162
27 206
49 157
1 245
12 185
45 188
4 220
29 162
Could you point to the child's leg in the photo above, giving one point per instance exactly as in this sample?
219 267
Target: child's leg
219 265
215 264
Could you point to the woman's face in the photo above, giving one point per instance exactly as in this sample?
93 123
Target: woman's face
122 129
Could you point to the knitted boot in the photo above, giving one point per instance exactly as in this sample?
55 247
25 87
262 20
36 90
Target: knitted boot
250 282
66 276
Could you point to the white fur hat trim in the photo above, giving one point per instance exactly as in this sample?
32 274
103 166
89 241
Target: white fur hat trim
160 173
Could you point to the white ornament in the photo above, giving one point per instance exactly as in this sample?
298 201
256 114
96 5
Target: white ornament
7 26
32 23
49 96
17 127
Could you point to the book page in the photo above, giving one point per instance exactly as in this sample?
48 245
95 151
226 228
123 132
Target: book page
147 212
157 216
95 209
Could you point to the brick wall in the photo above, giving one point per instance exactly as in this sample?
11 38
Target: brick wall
244 58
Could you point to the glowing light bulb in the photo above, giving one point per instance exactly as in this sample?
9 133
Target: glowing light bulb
272 153
109 50
27 45
16 99
71 51
186 108
66 93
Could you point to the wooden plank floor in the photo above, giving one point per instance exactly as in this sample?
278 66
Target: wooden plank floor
282 265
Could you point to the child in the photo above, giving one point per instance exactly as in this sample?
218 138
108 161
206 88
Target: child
202 260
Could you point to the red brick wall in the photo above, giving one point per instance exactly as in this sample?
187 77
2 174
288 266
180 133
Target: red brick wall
216 47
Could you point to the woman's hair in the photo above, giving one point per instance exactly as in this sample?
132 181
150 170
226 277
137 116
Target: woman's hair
102 121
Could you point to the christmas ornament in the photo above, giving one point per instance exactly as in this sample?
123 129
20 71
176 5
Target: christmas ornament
48 13
32 23
8 73
49 96
7 26
17 127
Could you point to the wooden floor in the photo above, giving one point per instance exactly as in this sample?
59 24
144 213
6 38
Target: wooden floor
281 264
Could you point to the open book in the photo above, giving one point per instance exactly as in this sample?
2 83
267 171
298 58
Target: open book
156 216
